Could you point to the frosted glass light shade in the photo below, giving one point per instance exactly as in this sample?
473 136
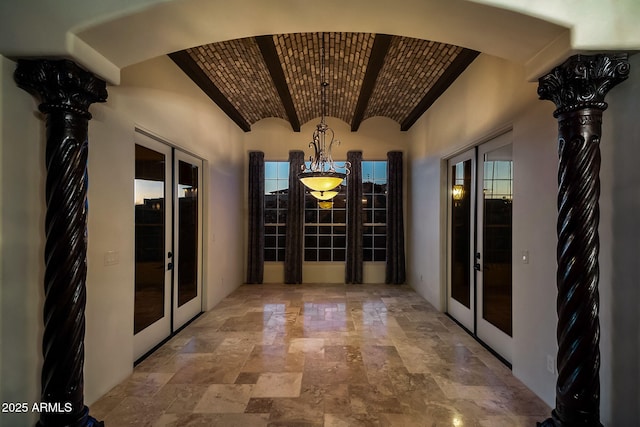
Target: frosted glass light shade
325 204
321 181
324 195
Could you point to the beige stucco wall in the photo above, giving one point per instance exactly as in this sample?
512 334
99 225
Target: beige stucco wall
22 242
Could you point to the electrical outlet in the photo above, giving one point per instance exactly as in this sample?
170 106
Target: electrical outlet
551 364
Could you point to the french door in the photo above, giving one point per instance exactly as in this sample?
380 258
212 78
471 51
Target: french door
168 242
480 248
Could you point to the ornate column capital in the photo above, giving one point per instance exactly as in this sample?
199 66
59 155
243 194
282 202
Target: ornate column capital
60 85
582 81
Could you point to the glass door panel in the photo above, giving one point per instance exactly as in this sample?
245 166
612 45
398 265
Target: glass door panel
152 299
187 229
495 172
461 228
188 241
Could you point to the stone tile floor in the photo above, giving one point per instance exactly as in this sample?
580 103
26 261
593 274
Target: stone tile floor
321 355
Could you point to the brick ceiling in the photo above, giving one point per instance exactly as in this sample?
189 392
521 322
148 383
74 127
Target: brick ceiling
368 74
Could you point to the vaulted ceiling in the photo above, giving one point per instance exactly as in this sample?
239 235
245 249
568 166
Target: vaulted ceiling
368 74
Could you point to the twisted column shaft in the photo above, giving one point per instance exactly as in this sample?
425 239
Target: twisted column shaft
578 88
66 92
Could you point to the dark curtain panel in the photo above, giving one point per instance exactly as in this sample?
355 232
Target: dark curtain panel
295 221
353 267
255 257
395 271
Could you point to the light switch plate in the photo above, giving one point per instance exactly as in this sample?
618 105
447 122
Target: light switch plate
111 258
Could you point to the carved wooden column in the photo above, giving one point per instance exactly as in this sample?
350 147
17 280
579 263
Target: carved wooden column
578 88
66 92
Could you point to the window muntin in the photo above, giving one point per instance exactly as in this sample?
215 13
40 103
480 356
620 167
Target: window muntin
374 207
276 185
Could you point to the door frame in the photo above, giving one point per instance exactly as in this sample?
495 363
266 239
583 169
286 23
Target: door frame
145 137
470 319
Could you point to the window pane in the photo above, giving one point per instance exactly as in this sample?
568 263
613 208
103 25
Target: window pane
282 216
310 241
310 255
270 255
380 170
367 171
311 216
324 255
339 255
374 209
269 241
324 241
283 170
270 216
324 217
340 217
270 201
275 204
270 170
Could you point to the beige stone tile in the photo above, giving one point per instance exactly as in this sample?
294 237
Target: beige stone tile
141 384
209 420
306 345
134 411
225 398
278 384
181 398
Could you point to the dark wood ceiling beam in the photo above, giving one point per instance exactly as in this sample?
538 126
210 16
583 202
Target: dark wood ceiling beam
459 64
195 73
270 54
379 50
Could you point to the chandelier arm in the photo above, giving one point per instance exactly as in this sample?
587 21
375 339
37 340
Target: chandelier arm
321 175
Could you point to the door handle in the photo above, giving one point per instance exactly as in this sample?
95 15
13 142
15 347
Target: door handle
170 266
476 266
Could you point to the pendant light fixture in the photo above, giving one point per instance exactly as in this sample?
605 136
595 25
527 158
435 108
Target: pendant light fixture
321 176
